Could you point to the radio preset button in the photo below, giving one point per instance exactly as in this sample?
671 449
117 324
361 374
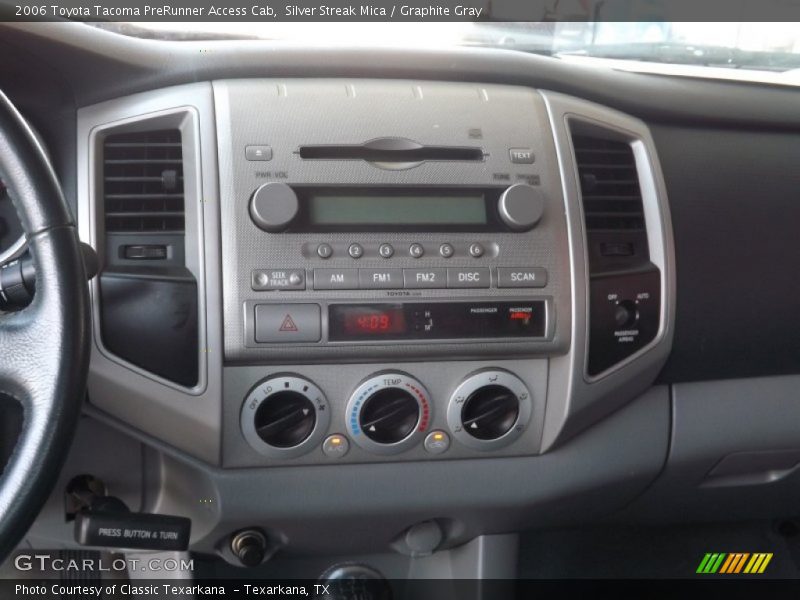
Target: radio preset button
386 250
510 277
446 250
373 279
278 279
476 250
335 279
425 278
324 251
287 323
416 250
468 278
356 250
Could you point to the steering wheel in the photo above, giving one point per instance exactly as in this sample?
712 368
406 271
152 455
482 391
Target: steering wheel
44 348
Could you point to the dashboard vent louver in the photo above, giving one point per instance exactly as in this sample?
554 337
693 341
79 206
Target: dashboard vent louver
612 200
143 182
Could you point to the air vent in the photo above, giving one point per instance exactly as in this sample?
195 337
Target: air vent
612 200
143 182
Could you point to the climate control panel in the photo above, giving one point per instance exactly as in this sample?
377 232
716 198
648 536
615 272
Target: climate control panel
394 414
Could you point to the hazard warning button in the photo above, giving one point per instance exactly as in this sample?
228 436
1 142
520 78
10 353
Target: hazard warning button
287 323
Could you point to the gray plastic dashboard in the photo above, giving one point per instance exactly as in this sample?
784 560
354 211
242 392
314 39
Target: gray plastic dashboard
594 445
202 421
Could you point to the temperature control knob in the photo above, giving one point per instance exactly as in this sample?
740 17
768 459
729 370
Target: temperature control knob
489 410
388 413
285 416
521 206
273 206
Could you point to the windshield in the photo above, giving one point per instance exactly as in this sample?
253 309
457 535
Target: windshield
758 46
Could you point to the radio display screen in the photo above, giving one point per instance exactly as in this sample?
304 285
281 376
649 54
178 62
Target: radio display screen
437 320
396 209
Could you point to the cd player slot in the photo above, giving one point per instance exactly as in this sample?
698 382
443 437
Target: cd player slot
391 150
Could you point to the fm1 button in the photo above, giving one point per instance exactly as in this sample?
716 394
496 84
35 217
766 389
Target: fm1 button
437 442
335 446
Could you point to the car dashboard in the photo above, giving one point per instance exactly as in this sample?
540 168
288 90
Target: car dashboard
340 301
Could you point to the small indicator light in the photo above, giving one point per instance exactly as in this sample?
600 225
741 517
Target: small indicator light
438 437
336 441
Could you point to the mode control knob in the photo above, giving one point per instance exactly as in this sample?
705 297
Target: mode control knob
273 206
489 409
388 413
521 206
284 416
490 412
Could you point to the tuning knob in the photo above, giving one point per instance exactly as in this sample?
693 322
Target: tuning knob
273 206
521 206
284 416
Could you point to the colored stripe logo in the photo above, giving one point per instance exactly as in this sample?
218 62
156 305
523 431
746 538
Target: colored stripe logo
734 563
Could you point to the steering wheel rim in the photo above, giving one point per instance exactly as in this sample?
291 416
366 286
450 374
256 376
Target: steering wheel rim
44 348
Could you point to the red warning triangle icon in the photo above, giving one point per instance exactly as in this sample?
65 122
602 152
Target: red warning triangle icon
288 324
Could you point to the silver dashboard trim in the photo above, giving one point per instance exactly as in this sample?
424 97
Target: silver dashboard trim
589 398
188 419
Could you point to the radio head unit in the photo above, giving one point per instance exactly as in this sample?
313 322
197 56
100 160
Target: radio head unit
424 218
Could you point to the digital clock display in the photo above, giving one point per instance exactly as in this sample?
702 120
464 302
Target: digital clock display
437 320
372 321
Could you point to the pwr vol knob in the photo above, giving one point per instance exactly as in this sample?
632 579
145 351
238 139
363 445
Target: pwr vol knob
284 416
388 413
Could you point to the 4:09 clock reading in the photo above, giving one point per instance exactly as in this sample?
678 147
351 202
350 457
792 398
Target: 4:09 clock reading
369 321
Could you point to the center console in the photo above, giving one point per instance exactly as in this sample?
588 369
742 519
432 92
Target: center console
397 280
371 225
